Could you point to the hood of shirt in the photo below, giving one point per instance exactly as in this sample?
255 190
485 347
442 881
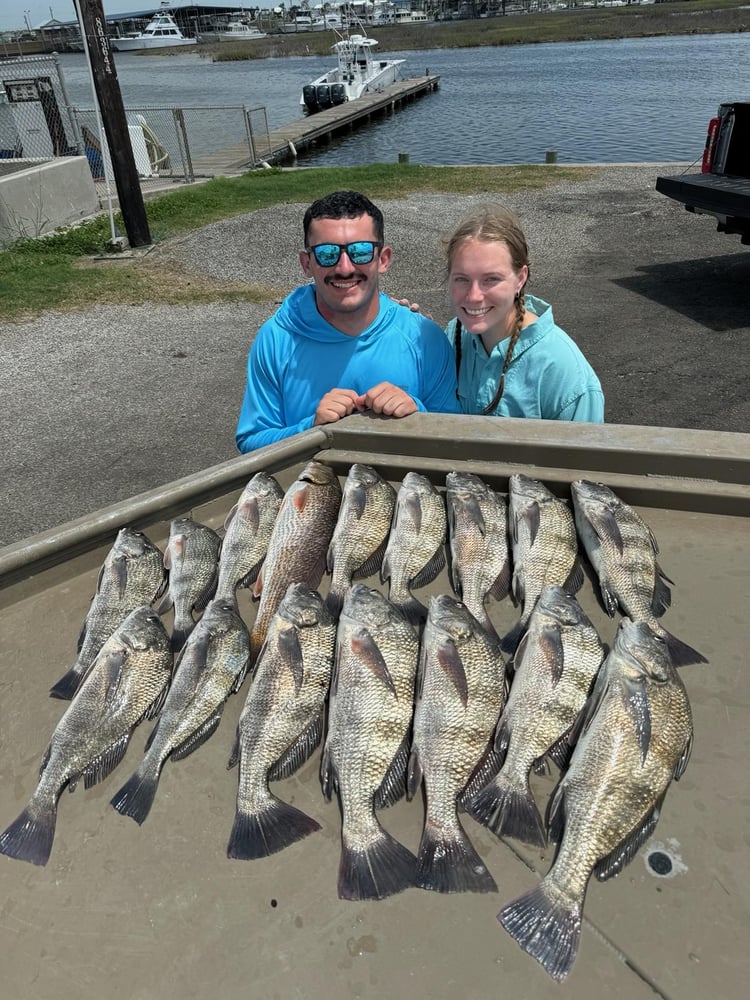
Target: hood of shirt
299 313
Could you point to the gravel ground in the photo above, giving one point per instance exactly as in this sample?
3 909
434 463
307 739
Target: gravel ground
103 404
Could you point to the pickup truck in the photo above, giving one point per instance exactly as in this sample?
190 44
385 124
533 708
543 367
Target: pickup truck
722 188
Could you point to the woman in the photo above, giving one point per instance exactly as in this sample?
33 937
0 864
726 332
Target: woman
512 360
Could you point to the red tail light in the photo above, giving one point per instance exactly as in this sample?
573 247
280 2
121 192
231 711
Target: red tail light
708 152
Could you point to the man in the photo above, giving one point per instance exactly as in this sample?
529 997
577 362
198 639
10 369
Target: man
340 345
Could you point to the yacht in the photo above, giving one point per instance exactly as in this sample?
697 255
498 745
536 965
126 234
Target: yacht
231 31
160 31
356 73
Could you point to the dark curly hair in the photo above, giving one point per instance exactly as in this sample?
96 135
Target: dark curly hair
344 205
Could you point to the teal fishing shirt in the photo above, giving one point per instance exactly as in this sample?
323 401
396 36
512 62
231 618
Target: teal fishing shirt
548 377
297 357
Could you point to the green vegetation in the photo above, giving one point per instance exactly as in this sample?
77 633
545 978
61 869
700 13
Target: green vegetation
62 271
693 17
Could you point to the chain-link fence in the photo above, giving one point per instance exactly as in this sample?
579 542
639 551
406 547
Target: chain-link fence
36 123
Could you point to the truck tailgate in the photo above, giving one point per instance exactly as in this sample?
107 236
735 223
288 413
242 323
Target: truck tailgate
724 194
158 911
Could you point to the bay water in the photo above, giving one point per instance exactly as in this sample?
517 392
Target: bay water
629 100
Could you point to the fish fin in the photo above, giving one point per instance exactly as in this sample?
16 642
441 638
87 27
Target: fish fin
561 751
136 796
290 652
501 585
30 836
260 834
574 581
682 763
334 602
299 752
82 635
530 514
203 733
156 705
547 927
450 863
180 637
234 755
246 581
414 774
509 810
554 819
509 642
393 786
428 573
366 649
450 661
608 599
329 779
206 597
614 862
662 597
68 684
413 610
637 707
258 585
372 564
488 766
103 765
382 869
164 604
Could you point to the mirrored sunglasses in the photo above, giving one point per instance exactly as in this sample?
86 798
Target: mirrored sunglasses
329 254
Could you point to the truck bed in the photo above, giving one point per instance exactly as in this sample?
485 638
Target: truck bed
721 194
159 911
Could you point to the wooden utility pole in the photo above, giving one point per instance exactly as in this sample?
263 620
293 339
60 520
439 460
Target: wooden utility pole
115 122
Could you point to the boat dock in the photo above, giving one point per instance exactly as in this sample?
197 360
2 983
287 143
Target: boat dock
285 143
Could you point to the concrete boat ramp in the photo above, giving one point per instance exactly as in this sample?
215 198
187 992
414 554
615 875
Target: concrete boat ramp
284 143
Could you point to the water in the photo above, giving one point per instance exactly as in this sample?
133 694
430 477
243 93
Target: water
630 100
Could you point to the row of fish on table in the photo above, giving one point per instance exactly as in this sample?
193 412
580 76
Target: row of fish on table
399 694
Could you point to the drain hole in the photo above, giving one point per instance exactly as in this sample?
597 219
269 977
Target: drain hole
659 863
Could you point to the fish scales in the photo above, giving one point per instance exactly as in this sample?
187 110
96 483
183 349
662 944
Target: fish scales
192 558
478 543
281 723
544 545
126 683
636 738
248 528
460 697
365 753
556 664
361 532
415 552
299 544
210 668
132 574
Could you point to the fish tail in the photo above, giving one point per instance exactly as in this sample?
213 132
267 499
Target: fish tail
510 640
136 796
67 686
259 834
382 869
334 602
547 926
508 810
447 862
413 610
180 637
30 837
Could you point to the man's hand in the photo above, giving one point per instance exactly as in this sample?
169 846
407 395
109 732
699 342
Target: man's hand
388 400
337 403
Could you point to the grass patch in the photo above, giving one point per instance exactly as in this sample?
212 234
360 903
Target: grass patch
57 272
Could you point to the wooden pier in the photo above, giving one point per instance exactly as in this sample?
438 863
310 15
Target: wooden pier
284 144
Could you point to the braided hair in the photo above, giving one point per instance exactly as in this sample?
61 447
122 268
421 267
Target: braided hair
492 224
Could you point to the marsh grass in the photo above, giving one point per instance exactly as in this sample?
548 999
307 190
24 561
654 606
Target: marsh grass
62 271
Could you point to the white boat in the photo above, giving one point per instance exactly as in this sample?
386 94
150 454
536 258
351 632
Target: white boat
231 31
160 31
301 23
356 73
411 17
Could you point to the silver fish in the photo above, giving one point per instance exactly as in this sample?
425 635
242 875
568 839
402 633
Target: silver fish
556 663
361 532
366 749
192 559
211 667
127 683
459 699
622 549
248 527
282 723
132 574
545 548
299 543
415 553
478 543
636 737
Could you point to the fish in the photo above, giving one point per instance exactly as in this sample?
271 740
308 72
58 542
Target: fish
636 736
299 544
131 575
367 745
127 683
622 549
247 532
544 545
478 543
361 533
210 668
415 552
556 663
460 695
282 723
191 558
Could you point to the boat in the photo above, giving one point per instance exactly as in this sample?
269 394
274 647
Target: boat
411 17
231 31
161 31
302 22
356 73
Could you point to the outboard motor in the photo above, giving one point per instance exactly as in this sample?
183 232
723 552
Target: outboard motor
310 97
324 95
338 93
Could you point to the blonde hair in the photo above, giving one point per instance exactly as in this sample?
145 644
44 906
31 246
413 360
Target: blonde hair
492 224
